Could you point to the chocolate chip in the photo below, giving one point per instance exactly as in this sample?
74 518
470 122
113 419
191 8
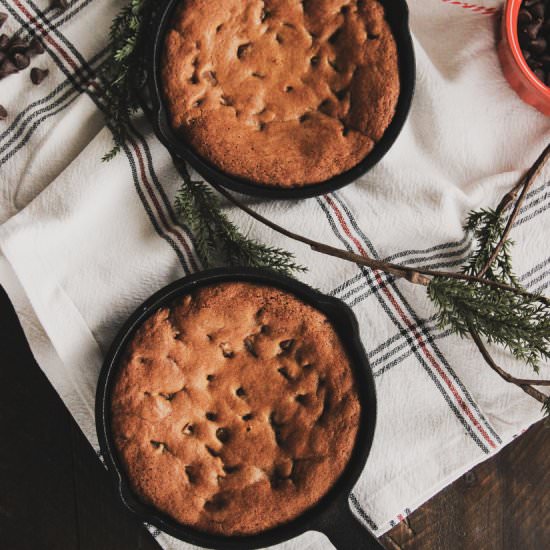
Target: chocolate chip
4 41
3 113
7 68
242 49
524 17
248 417
35 47
539 73
240 392
59 4
210 377
21 61
538 46
533 29
3 17
284 373
212 452
314 60
17 45
286 344
191 474
211 416
188 429
223 434
249 345
230 469
537 10
302 399
217 503
534 37
38 75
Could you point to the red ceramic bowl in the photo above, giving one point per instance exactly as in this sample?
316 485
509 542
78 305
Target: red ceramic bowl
514 66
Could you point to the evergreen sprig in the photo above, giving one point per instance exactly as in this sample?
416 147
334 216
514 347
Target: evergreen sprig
218 240
487 228
518 322
123 72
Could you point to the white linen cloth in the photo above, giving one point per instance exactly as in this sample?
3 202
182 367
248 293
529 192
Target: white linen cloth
84 242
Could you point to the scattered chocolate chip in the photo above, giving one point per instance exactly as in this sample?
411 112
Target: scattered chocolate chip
35 47
230 469
211 416
4 41
7 68
240 392
17 45
59 4
3 17
210 377
21 61
247 417
3 113
38 75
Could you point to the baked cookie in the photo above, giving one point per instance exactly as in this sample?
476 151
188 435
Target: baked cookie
281 92
235 409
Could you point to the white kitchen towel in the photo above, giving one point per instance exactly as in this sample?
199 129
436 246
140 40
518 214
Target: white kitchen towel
84 242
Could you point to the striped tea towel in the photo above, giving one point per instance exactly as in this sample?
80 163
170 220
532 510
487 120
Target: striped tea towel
84 242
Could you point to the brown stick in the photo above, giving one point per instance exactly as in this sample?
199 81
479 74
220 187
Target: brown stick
414 275
408 273
525 385
527 181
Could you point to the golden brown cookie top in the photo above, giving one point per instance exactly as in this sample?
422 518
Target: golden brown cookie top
235 409
281 92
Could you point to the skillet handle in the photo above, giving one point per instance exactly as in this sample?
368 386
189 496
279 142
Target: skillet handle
345 531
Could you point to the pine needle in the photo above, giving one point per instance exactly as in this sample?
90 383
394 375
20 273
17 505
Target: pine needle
218 240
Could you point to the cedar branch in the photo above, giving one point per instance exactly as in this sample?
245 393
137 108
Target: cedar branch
526 182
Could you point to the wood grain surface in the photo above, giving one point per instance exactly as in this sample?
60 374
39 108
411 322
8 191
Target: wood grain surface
56 495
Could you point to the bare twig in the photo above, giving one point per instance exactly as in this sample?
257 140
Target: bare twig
526 182
414 275
525 385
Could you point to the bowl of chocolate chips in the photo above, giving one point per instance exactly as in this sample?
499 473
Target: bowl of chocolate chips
524 50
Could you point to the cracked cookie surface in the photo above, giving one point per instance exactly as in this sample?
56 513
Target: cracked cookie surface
235 409
281 92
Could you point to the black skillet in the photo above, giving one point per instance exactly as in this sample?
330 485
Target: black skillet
397 15
332 515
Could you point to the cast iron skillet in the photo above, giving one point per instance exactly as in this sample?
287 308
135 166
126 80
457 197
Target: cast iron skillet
332 514
397 15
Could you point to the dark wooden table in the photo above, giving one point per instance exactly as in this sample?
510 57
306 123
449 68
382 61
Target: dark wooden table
55 495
